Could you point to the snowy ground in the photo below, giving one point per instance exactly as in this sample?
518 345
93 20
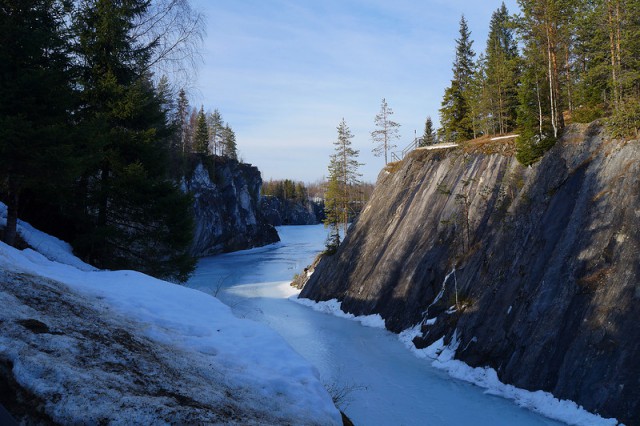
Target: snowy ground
387 383
88 346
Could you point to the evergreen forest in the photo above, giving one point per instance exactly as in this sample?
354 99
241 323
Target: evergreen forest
94 137
553 63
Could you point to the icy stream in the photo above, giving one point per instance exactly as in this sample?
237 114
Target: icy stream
389 385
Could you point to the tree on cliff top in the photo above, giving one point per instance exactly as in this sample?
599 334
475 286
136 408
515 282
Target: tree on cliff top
201 136
429 136
502 75
455 114
386 133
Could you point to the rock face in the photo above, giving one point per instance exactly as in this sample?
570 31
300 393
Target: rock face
286 212
227 208
535 271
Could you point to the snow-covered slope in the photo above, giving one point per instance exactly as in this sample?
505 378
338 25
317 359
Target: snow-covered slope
87 346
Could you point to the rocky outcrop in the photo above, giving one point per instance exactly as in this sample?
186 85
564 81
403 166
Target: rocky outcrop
287 212
227 207
535 271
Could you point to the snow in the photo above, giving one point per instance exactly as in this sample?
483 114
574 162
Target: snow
437 146
198 332
51 247
398 391
252 356
497 138
333 307
442 357
386 383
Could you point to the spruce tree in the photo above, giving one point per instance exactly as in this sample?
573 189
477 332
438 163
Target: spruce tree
183 121
36 99
455 113
230 146
429 136
343 178
502 64
386 133
333 209
534 127
134 216
216 133
201 136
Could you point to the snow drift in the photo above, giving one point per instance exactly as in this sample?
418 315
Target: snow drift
80 345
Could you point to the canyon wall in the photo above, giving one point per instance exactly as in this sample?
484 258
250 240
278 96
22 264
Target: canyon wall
226 208
535 271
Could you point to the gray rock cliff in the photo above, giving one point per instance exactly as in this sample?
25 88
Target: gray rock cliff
286 212
227 207
546 288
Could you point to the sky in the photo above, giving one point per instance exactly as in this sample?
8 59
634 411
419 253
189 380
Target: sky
284 73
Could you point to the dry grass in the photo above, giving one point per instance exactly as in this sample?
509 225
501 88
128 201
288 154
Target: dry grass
393 166
484 145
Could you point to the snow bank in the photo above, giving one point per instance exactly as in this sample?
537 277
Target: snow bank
442 357
50 247
333 307
253 356
541 402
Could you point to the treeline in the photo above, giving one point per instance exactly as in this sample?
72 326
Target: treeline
88 135
286 190
299 191
203 132
555 61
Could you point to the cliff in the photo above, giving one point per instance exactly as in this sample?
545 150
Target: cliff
287 212
227 207
533 270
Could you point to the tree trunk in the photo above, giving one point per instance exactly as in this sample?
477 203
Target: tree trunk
569 82
612 47
539 107
10 231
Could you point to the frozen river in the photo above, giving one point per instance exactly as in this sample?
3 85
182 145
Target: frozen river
390 385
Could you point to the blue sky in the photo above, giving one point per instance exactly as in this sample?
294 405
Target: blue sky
283 73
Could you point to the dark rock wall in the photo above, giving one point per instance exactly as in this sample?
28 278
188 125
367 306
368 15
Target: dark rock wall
286 212
547 264
227 208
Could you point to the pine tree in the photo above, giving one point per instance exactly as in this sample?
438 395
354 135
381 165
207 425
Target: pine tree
201 136
429 136
623 25
36 97
455 113
545 26
386 133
